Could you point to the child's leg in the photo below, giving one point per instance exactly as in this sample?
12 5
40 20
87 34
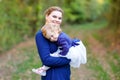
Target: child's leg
41 71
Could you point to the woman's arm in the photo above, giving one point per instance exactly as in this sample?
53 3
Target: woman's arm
44 53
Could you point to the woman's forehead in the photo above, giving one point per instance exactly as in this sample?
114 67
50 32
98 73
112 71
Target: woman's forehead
57 13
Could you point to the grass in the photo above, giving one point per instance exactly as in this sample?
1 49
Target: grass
9 38
97 68
114 62
87 26
23 68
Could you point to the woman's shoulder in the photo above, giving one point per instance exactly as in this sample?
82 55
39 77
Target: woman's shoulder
39 34
39 37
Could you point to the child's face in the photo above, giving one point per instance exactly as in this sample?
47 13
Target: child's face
53 36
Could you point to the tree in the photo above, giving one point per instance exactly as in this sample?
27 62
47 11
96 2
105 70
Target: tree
114 21
115 14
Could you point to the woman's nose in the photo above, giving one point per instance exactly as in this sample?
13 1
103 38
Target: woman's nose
58 21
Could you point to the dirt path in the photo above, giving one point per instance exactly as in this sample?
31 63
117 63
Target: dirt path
12 55
100 52
83 73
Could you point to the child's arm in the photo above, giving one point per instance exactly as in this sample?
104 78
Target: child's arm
64 47
56 54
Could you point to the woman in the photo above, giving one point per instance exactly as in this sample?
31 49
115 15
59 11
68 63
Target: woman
73 49
60 68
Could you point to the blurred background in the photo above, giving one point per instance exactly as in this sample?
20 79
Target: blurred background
95 22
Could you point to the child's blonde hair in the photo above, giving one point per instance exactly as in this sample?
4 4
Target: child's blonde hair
50 29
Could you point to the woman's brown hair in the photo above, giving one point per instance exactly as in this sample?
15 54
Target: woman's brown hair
53 8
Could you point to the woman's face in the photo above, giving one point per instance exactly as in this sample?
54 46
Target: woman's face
54 17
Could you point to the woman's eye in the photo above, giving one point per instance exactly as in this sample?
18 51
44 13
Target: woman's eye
54 16
60 18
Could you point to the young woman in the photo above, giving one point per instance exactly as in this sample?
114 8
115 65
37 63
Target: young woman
59 66
72 49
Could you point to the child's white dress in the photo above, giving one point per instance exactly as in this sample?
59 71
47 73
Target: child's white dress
77 54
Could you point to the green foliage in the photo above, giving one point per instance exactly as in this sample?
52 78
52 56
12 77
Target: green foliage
18 21
84 11
74 12
21 18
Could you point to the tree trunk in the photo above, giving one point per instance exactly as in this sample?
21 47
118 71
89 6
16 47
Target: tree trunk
114 20
115 14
